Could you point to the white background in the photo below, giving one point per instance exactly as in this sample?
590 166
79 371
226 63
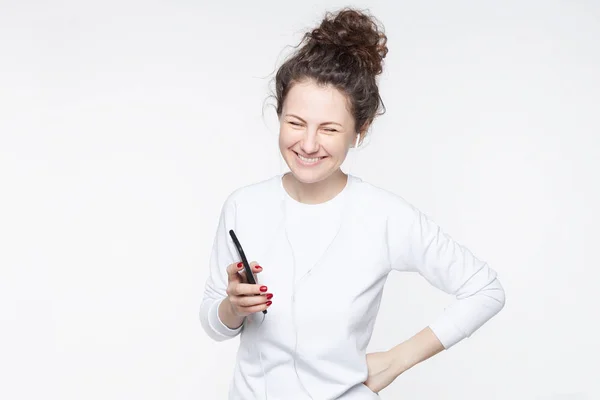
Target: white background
125 124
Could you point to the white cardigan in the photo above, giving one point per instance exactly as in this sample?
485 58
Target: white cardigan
312 343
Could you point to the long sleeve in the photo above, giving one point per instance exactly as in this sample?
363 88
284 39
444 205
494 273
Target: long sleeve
223 254
451 267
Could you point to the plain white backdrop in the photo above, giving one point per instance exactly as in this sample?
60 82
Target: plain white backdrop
125 124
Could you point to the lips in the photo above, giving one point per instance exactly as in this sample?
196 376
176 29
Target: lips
306 163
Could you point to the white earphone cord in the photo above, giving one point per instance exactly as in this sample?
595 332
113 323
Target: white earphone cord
294 288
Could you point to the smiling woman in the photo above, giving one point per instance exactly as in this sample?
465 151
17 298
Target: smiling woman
327 97
327 240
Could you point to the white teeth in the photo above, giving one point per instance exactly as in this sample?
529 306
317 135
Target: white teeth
309 160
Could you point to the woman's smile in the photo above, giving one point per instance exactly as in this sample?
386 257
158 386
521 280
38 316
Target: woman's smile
308 162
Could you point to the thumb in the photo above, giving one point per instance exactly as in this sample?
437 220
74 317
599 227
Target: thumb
233 272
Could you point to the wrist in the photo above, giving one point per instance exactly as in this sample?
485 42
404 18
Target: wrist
418 348
399 362
228 316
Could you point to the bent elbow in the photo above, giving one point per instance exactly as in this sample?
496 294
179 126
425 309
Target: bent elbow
496 293
502 298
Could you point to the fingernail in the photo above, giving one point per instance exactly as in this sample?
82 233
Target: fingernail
269 296
258 267
240 265
269 303
263 288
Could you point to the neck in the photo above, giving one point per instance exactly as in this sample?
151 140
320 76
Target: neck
316 192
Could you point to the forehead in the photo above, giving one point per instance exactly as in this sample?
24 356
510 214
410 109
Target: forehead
316 102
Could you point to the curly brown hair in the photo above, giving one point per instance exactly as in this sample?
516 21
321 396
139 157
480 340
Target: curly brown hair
345 51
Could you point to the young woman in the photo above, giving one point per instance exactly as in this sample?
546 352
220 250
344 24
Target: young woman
325 241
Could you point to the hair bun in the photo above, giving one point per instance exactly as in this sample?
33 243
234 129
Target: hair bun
355 33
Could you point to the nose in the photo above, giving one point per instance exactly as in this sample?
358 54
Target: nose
310 143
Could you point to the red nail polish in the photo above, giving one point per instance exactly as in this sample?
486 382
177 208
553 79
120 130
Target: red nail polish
263 288
240 265
269 296
269 303
258 267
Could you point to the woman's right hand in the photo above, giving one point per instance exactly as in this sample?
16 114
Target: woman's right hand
245 298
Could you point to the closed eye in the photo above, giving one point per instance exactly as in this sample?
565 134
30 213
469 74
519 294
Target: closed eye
299 124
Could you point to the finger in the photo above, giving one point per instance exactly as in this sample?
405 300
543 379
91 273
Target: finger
255 267
256 308
248 289
250 301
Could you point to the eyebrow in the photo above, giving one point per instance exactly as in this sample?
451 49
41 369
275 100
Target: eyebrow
324 123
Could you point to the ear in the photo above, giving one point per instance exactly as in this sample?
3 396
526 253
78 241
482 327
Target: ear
362 132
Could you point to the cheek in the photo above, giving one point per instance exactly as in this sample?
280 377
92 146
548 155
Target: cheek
339 147
288 136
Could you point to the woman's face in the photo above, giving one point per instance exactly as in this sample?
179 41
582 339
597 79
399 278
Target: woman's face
315 123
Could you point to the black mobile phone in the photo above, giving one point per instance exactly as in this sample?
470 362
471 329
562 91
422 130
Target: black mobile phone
249 273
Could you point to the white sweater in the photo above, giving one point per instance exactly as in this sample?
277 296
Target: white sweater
326 265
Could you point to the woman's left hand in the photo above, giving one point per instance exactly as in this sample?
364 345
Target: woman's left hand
382 370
